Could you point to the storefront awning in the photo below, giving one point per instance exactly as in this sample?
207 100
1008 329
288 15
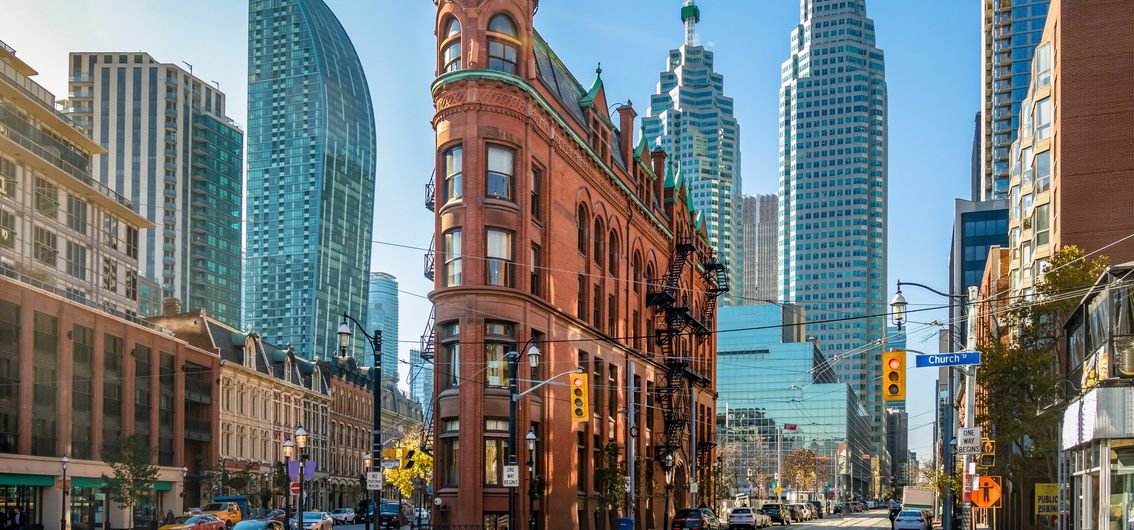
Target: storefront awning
97 482
16 479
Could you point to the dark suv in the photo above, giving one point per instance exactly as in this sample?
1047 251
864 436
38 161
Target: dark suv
818 509
779 513
701 519
391 515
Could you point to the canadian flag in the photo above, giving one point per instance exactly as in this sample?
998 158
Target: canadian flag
789 426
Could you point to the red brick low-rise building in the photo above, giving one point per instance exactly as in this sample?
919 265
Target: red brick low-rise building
555 228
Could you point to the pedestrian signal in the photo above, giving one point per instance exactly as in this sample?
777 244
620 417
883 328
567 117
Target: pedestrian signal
580 401
894 375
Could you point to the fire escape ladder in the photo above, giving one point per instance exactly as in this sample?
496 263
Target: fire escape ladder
430 263
431 192
428 338
718 274
672 319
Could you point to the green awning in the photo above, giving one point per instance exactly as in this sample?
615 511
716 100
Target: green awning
16 479
97 482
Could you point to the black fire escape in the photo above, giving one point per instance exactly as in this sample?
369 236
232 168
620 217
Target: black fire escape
717 274
672 318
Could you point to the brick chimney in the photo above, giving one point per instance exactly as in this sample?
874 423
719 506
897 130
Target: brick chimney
626 115
171 307
657 157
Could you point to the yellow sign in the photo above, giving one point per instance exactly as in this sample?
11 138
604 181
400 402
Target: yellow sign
778 490
1047 498
988 493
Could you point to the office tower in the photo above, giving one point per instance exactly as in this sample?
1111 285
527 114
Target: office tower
1012 28
311 149
1071 169
172 151
532 245
833 189
897 441
382 315
692 120
768 382
761 235
60 229
421 383
977 228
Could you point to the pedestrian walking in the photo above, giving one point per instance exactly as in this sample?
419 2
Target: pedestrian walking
16 521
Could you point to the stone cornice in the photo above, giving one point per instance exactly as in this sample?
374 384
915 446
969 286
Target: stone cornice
502 102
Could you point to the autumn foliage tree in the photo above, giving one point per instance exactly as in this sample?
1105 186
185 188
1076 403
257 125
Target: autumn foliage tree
804 470
403 476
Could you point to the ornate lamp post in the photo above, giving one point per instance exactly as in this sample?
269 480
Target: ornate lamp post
63 498
367 461
375 341
300 444
533 353
531 439
288 453
667 464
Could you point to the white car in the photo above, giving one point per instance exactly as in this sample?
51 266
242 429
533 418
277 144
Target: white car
912 520
315 521
747 518
343 516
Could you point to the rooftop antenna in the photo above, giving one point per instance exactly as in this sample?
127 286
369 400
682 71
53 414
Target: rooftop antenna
690 15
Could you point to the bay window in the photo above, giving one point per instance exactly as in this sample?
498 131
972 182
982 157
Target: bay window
453 173
503 39
501 168
499 262
453 258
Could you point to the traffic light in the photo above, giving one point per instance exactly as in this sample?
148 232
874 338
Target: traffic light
894 375
407 459
580 401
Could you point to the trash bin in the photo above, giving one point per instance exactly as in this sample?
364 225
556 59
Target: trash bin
624 523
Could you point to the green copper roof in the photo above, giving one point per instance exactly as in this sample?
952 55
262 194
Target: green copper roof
688 199
698 221
691 11
672 178
589 99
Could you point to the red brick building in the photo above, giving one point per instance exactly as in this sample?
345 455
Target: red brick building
553 225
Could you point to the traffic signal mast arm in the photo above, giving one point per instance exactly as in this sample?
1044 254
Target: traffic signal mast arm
552 378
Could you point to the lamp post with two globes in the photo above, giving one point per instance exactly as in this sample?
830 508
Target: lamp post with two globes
375 341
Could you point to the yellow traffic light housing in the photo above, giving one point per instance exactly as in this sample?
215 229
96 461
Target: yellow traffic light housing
894 375
580 399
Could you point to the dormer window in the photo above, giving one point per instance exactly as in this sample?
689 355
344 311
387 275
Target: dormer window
502 44
451 46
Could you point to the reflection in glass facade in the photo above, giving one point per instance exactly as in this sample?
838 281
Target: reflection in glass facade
765 383
311 162
382 314
1012 28
833 189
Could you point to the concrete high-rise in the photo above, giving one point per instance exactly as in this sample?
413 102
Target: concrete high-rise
692 120
311 163
382 315
1012 28
833 187
760 235
172 151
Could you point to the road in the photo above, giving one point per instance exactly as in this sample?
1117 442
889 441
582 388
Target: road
874 520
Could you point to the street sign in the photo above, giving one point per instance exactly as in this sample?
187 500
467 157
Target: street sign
961 358
309 467
295 488
391 463
1047 498
374 480
511 476
988 493
968 443
988 446
779 490
692 486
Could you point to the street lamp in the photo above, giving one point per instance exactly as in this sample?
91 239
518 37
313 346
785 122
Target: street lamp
533 353
375 341
667 465
288 453
63 498
300 445
898 303
531 439
184 475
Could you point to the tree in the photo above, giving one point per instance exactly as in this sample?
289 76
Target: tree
133 473
421 466
803 469
1020 374
610 479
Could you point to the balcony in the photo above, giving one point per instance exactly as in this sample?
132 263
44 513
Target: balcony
431 193
198 391
430 261
81 79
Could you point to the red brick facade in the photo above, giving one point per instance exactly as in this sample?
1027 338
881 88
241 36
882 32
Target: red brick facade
570 236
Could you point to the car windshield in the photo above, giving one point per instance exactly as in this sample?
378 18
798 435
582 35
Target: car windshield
688 514
739 511
771 508
250 525
312 516
390 508
341 510
215 507
186 519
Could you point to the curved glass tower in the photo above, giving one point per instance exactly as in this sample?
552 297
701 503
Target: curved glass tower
311 151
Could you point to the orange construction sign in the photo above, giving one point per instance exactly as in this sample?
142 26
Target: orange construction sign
988 493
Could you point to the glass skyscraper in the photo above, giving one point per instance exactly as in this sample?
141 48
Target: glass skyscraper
421 384
760 234
311 163
172 150
833 186
692 120
1012 28
764 383
382 314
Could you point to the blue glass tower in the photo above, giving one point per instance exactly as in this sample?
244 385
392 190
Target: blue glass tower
833 186
311 163
382 314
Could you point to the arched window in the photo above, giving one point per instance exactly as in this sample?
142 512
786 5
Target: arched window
612 259
599 231
503 41
451 46
582 220
649 275
636 271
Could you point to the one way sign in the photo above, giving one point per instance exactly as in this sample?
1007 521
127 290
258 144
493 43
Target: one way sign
968 443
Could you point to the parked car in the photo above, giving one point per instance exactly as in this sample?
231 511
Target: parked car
276 515
763 518
314 521
391 515
797 512
263 524
202 521
745 518
343 516
227 511
778 513
817 507
912 520
701 519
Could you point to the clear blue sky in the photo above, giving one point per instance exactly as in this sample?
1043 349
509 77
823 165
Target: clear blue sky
932 62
